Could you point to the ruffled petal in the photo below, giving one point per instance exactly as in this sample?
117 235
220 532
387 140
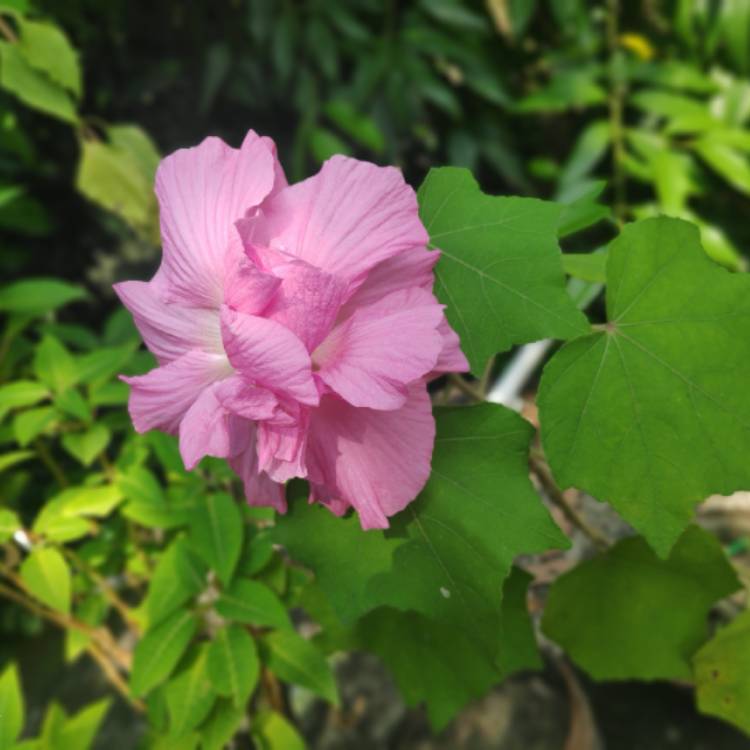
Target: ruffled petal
169 329
371 358
346 219
307 301
248 288
209 429
266 353
282 447
160 398
260 489
377 461
451 358
235 394
202 191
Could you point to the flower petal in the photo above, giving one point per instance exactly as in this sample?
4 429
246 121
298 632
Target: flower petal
347 218
260 489
451 358
202 191
160 398
307 301
209 429
371 358
169 329
265 352
282 447
377 461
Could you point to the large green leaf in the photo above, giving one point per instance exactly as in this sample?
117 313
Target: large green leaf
21 393
500 273
46 48
11 707
178 577
436 664
221 725
38 296
33 87
254 603
299 662
233 666
190 695
47 577
447 555
216 533
54 364
80 730
86 446
627 614
722 673
158 652
651 412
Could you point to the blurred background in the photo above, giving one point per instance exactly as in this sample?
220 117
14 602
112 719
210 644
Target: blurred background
625 109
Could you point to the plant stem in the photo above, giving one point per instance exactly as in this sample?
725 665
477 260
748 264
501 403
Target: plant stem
273 692
556 496
51 464
114 677
616 105
466 387
6 31
109 593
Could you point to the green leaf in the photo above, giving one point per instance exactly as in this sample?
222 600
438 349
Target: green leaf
586 266
7 460
178 577
726 161
216 533
21 393
86 446
101 364
580 209
72 402
651 413
272 731
11 707
158 652
32 87
54 364
29 424
9 524
80 730
357 126
253 603
233 666
90 501
654 610
589 149
221 725
500 273
324 144
117 176
447 555
297 661
46 48
189 694
38 296
47 576
53 524
722 667
426 657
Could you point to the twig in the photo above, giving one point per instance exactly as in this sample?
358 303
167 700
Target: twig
114 677
556 496
109 593
616 99
7 31
51 464
273 692
465 387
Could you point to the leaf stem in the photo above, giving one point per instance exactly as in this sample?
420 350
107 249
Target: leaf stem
467 388
48 460
7 32
616 105
114 677
557 497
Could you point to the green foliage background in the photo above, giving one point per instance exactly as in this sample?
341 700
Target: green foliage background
188 601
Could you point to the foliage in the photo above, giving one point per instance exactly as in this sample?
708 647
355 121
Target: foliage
197 608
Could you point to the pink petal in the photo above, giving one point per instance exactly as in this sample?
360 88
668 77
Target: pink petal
265 352
307 302
377 461
208 429
248 288
282 447
202 191
403 271
371 358
240 397
260 489
169 329
160 398
347 218
451 358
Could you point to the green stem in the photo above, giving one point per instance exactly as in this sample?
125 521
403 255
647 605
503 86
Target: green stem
49 461
616 107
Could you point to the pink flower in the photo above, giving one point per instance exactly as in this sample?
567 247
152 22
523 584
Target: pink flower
294 326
